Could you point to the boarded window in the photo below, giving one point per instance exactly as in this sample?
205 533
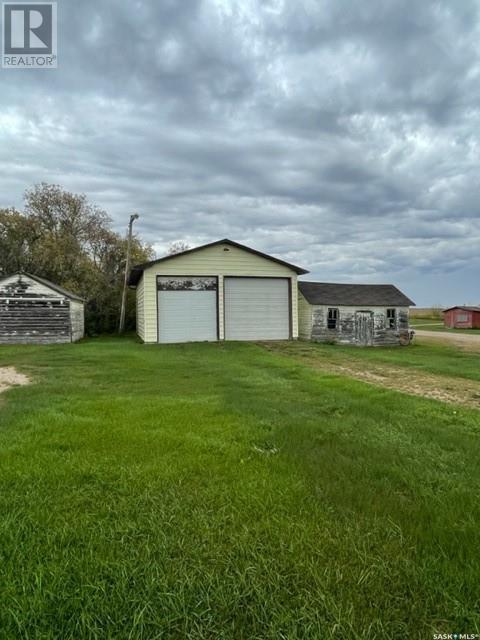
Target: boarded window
392 318
332 318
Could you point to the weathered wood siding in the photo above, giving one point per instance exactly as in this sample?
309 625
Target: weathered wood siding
141 309
304 318
32 313
219 261
347 331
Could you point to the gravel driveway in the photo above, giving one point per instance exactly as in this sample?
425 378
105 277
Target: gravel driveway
459 339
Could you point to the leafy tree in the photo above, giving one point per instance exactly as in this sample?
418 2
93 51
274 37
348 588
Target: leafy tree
18 237
62 237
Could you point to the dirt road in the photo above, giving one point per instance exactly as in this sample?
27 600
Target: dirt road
405 379
9 377
458 339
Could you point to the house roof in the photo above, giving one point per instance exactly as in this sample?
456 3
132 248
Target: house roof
137 270
47 283
354 294
463 309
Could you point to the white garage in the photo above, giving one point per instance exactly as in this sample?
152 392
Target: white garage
220 291
257 308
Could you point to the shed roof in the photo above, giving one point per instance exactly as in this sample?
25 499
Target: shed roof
137 270
47 283
354 294
463 309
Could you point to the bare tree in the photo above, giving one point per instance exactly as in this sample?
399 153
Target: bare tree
178 246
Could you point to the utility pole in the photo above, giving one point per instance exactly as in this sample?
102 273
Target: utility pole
133 217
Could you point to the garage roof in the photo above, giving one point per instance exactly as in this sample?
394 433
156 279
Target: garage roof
375 295
136 272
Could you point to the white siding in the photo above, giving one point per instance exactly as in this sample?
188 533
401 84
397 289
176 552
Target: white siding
304 318
141 309
212 261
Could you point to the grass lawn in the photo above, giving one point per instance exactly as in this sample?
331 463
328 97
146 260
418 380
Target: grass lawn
225 491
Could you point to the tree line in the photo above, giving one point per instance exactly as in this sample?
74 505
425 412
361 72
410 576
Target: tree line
62 237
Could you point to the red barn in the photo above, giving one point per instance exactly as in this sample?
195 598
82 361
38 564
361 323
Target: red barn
462 318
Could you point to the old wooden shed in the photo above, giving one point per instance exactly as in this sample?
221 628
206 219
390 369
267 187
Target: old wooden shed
36 311
462 318
358 314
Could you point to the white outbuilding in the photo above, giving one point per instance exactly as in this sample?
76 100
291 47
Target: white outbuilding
219 291
36 311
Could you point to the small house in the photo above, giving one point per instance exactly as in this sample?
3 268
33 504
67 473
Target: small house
357 314
36 311
219 291
462 318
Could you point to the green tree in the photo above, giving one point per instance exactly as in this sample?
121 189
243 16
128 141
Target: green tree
18 237
62 237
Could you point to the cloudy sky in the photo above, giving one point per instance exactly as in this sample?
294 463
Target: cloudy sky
336 134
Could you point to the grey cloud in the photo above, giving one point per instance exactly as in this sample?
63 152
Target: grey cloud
339 135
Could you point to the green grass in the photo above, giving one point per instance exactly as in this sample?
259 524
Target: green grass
222 491
432 324
427 322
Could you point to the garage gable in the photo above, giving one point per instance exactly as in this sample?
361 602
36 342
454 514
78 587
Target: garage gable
223 256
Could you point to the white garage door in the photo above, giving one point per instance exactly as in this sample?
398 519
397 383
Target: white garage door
257 309
187 309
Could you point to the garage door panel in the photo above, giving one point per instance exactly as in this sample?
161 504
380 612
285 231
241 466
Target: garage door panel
187 311
257 309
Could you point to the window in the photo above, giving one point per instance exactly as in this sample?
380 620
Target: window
392 318
332 318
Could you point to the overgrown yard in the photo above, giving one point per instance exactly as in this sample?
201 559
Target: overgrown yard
228 491
430 370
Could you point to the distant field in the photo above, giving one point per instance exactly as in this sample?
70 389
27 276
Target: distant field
431 323
427 313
